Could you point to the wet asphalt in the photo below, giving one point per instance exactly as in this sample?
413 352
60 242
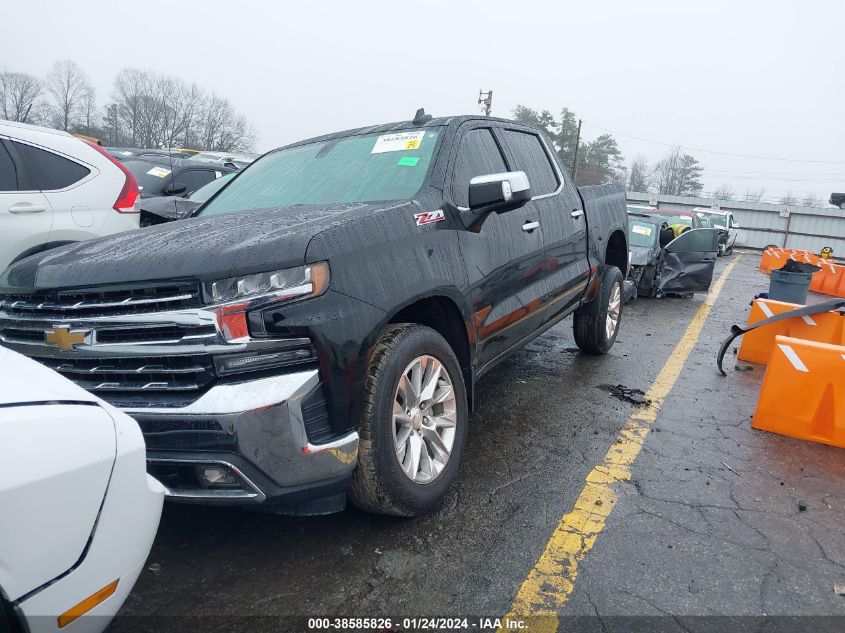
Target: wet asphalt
709 527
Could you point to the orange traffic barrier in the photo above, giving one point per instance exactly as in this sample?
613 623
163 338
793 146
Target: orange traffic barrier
773 257
803 392
830 280
757 345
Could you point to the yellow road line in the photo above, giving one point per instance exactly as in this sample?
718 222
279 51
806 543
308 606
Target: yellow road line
551 581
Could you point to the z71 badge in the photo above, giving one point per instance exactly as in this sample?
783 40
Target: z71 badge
429 217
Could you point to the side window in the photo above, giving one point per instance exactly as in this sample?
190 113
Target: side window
695 241
478 155
531 157
50 171
8 174
197 178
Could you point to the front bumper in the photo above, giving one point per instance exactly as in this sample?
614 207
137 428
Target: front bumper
255 432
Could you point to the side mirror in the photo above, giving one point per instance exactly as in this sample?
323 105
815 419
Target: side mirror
176 189
499 192
736 226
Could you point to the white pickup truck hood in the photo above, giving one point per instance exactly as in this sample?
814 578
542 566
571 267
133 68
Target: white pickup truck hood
56 457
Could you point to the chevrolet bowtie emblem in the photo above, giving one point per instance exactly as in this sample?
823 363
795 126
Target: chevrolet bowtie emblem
64 338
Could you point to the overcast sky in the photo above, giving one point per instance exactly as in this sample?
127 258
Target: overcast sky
755 78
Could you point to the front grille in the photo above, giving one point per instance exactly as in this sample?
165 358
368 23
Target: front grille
186 434
70 303
112 377
121 334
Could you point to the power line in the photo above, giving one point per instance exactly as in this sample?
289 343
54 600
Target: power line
707 151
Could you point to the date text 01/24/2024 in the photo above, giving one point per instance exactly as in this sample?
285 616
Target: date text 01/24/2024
416 624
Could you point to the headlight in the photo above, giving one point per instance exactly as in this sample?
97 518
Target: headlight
291 283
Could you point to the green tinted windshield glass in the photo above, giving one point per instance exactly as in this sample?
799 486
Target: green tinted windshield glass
643 234
367 168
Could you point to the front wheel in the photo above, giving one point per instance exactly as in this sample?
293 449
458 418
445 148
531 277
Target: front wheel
414 423
596 324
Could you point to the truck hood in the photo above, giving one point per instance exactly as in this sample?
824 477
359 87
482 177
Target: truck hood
202 248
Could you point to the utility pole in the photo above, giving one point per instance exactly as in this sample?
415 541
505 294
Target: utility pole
485 100
575 157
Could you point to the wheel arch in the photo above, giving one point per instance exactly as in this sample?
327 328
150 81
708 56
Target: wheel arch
616 253
442 313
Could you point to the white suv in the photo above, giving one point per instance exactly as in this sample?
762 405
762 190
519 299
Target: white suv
56 189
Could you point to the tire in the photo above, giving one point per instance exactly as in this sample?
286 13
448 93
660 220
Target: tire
380 484
729 251
591 323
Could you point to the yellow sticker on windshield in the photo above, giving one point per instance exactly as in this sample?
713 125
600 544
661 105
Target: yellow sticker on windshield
158 172
397 142
641 230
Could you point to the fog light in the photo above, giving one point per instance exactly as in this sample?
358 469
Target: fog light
217 477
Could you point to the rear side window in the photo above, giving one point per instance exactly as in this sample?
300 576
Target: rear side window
50 171
196 179
8 175
531 157
478 155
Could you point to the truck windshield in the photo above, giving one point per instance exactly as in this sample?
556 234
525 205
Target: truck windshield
365 168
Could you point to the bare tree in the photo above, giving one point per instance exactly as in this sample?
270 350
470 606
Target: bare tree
151 110
725 192
20 97
89 111
664 173
789 199
811 200
754 196
638 175
677 174
67 86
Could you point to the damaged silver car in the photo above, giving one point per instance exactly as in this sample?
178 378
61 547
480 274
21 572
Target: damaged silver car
663 264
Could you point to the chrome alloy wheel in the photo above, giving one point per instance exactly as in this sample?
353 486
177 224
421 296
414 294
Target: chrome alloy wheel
614 308
424 419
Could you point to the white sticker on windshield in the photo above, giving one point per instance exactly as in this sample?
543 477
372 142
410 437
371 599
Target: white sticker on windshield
158 172
397 142
641 230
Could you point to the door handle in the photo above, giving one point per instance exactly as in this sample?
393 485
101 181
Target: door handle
26 207
577 213
529 227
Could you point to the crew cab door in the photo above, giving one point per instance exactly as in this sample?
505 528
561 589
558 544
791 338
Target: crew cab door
503 256
688 262
558 208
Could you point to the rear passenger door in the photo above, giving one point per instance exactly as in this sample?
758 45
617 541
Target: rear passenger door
58 177
504 256
556 205
25 214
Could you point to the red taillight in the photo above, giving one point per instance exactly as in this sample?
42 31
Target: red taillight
128 195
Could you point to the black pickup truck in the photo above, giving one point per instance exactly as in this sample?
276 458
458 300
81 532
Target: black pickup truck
317 329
